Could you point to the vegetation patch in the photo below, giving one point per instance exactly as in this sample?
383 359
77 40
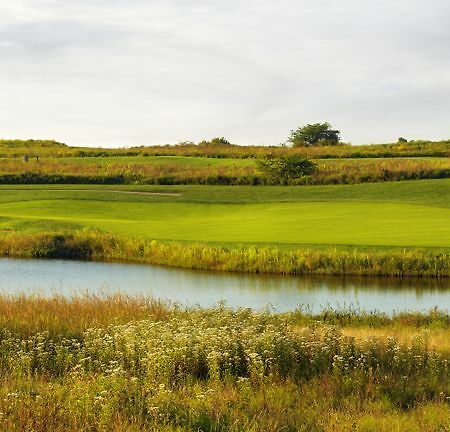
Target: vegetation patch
221 148
271 169
119 363
86 245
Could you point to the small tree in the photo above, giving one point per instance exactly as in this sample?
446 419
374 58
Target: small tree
317 134
285 168
218 141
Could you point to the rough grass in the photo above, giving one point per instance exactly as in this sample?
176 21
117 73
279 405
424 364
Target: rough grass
16 148
120 364
199 170
91 245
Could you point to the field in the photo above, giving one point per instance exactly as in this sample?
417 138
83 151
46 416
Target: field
172 170
46 148
369 216
129 364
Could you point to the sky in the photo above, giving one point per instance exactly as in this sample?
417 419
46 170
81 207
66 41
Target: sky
142 72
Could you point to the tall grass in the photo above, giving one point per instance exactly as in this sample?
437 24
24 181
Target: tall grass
130 171
45 148
92 245
70 317
210 370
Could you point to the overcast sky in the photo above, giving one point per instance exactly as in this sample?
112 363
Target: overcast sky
136 72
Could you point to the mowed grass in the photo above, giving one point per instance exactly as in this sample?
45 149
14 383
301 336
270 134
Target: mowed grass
406 214
152 160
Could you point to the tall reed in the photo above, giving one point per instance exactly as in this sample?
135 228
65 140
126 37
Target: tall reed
93 245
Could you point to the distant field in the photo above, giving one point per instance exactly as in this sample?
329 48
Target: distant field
201 161
388 215
17 148
156 160
170 170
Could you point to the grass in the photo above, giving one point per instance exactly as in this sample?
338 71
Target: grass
350 223
201 170
89 245
119 363
413 215
132 364
156 160
69 317
17 148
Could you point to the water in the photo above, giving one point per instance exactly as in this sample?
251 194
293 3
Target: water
48 277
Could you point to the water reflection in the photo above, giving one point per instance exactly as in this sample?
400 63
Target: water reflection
47 277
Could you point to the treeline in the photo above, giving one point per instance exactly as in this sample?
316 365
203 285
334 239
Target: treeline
33 148
54 171
92 245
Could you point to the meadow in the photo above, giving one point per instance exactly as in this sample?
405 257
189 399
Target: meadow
118 363
173 170
50 148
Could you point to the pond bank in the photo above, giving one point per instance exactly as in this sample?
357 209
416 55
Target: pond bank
98 246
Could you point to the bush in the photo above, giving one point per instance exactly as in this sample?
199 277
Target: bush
286 168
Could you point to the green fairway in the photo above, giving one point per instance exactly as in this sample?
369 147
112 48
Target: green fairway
407 214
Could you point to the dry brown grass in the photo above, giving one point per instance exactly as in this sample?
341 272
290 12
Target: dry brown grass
68 317
438 339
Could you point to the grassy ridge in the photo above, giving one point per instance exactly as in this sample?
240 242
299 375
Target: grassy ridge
170 369
43 148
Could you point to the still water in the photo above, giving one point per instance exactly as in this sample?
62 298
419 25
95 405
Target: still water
48 277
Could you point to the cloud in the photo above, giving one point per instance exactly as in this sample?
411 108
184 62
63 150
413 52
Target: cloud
116 72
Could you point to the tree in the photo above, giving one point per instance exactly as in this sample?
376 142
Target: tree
317 134
285 168
218 141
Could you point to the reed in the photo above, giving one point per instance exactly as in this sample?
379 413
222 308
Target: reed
94 245
69 317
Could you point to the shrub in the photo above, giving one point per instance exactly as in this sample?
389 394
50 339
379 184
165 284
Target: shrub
286 168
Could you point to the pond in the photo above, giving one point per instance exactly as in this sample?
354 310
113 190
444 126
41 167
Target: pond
283 293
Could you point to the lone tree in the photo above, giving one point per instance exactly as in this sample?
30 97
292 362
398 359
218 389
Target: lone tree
284 169
317 134
217 141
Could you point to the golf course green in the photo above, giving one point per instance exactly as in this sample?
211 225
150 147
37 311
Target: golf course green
387 215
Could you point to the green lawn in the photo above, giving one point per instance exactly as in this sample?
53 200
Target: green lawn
387 215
